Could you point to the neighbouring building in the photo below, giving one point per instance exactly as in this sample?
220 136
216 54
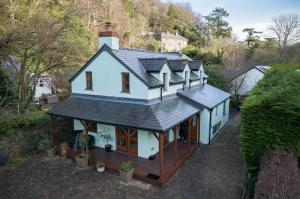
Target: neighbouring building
157 107
169 42
243 80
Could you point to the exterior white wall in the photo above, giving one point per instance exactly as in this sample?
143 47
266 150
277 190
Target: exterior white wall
147 144
247 81
112 42
99 141
204 121
107 81
195 83
173 45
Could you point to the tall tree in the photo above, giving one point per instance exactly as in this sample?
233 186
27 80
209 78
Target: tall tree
42 36
216 21
286 30
171 17
253 40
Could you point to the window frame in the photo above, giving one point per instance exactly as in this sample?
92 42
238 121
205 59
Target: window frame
125 84
88 80
224 108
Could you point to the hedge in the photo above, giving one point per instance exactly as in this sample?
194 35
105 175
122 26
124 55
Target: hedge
11 120
270 116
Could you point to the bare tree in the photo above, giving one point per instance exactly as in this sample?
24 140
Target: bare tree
286 29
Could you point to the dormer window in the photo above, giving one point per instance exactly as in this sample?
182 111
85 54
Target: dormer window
125 83
89 80
165 81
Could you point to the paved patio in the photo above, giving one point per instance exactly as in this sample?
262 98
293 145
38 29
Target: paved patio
214 171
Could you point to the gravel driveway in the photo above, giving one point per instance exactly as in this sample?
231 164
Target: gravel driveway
213 171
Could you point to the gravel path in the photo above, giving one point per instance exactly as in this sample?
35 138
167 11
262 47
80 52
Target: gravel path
214 171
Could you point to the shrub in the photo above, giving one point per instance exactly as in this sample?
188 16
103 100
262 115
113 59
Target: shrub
11 120
270 116
279 176
45 145
126 166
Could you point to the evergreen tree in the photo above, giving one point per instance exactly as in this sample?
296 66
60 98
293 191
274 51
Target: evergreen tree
218 26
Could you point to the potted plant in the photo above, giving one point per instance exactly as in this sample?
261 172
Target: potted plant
46 146
106 138
81 145
126 171
100 166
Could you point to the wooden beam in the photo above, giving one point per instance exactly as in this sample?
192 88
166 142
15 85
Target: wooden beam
52 129
155 135
161 157
175 131
189 133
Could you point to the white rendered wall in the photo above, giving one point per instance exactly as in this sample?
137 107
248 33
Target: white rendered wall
112 42
99 142
250 80
147 144
204 121
107 81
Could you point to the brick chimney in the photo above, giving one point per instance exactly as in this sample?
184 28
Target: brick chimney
109 37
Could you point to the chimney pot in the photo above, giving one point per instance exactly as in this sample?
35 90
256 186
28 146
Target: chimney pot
108 26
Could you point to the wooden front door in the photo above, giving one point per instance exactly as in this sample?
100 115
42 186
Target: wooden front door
194 128
127 140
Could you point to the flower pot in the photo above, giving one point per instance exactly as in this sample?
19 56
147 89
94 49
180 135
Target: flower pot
101 168
108 147
126 176
82 160
51 153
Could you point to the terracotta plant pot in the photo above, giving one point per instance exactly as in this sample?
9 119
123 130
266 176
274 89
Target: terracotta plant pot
126 176
82 160
51 153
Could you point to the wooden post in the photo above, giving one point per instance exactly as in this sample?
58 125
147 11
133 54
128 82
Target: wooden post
175 131
52 129
198 128
161 156
189 133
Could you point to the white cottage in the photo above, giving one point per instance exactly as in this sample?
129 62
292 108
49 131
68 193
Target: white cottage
157 107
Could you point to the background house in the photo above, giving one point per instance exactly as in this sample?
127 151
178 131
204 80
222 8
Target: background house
169 42
243 80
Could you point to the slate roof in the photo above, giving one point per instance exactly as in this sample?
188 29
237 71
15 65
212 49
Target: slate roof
169 36
178 65
132 58
205 95
153 64
158 116
195 64
232 74
194 77
176 79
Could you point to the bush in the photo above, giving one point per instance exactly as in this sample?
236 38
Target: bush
126 166
270 116
279 176
11 120
45 145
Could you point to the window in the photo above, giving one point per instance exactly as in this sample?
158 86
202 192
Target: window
224 108
125 82
165 81
89 80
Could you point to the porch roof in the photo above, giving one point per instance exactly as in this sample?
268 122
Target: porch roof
205 95
158 116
